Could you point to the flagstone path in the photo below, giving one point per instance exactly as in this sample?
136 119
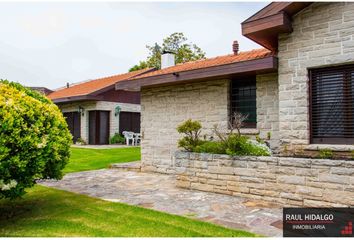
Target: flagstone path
158 191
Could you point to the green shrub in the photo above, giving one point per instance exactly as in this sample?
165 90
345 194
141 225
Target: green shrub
237 145
211 147
34 139
229 143
80 141
191 130
325 153
117 138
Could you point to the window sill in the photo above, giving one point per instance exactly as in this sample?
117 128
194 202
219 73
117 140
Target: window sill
249 131
333 147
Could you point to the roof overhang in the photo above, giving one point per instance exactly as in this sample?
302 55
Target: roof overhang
95 94
77 99
265 26
256 66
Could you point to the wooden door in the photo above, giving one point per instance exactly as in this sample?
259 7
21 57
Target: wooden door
74 124
98 127
129 121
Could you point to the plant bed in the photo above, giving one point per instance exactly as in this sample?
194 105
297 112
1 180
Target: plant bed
228 142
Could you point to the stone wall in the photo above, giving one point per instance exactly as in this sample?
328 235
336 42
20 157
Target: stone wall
268 108
288 181
322 36
99 105
164 108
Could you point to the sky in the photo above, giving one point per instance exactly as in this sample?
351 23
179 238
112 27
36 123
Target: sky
48 44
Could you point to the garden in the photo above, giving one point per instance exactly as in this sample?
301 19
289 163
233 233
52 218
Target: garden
229 139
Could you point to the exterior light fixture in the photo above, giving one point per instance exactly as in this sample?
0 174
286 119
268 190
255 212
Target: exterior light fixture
117 110
81 110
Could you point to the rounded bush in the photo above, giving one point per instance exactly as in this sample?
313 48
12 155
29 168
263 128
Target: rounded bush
34 139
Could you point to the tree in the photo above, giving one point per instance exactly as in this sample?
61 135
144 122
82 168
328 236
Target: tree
191 130
176 43
34 139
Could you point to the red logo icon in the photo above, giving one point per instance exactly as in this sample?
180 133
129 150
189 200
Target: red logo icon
348 230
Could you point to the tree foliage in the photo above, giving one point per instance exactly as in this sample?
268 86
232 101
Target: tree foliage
34 139
176 43
191 131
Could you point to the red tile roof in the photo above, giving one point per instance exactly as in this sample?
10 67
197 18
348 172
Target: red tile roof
92 86
210 62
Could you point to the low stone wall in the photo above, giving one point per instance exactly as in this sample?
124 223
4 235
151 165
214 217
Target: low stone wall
288 181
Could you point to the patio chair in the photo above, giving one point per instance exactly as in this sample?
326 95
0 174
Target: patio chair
137 138
128 136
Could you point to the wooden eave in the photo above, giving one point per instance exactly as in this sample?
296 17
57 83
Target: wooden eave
256 66
77 98
265 26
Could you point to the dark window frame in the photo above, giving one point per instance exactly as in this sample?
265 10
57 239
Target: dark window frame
345 100
246 82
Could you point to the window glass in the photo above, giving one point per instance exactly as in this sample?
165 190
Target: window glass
243 99
332 105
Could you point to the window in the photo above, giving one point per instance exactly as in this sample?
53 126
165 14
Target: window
243 99
331 105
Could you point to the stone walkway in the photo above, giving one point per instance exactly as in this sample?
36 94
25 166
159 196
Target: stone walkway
158 191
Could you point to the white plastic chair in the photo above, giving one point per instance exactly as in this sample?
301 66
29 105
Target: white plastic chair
128 136
137 138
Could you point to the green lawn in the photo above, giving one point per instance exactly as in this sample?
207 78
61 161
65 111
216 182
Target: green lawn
46 212
83 159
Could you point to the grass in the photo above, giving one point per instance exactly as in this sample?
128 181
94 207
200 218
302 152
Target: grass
83 159
47 212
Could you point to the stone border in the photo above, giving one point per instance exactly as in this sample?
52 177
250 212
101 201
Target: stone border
285 180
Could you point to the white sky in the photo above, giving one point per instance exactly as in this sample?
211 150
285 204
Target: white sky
48 44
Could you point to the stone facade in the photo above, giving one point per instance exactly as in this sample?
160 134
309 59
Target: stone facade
322 36
268 108
99 105
164 108
288 181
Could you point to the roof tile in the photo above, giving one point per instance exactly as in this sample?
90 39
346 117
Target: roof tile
92 86
210 62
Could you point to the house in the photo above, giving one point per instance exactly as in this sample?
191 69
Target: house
94 111
42 90
298 89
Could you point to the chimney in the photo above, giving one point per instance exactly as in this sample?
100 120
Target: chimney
235 47
67 85
167 59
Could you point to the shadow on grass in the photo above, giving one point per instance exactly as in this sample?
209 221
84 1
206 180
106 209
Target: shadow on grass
46 212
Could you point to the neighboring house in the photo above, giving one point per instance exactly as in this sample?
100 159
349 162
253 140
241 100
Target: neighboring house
95 111
300 88
42 90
